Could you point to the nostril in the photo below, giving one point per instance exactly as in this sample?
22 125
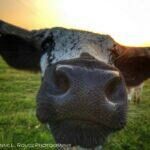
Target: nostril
112 88
61 80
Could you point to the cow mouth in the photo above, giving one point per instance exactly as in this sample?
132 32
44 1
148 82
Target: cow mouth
83 133
77 130
86 132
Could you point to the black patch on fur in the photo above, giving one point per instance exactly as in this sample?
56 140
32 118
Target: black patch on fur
47 46
19 53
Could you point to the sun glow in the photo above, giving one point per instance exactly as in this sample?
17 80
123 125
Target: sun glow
127 21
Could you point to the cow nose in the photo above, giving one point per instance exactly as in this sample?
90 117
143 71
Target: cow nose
62 78
81 93
82 81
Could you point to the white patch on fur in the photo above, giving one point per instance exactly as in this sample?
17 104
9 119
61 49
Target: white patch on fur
135 93
130 93
69 44
67 54
64 55
43 63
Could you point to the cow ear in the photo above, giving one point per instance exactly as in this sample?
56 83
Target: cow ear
18 48
134 63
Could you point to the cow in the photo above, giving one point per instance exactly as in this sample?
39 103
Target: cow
85 77
135 93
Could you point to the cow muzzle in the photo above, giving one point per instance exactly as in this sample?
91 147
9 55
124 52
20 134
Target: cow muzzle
82 102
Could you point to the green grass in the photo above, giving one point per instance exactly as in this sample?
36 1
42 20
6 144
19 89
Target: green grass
18 123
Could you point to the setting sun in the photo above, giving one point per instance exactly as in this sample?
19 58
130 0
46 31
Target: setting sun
127 21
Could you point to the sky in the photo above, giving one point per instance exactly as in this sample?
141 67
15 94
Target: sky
127 21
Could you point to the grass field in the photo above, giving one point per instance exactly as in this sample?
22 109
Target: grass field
18 123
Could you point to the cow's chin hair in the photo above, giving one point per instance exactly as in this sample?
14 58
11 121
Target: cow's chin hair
78 133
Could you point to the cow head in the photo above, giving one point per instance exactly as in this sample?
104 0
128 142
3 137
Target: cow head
83 94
